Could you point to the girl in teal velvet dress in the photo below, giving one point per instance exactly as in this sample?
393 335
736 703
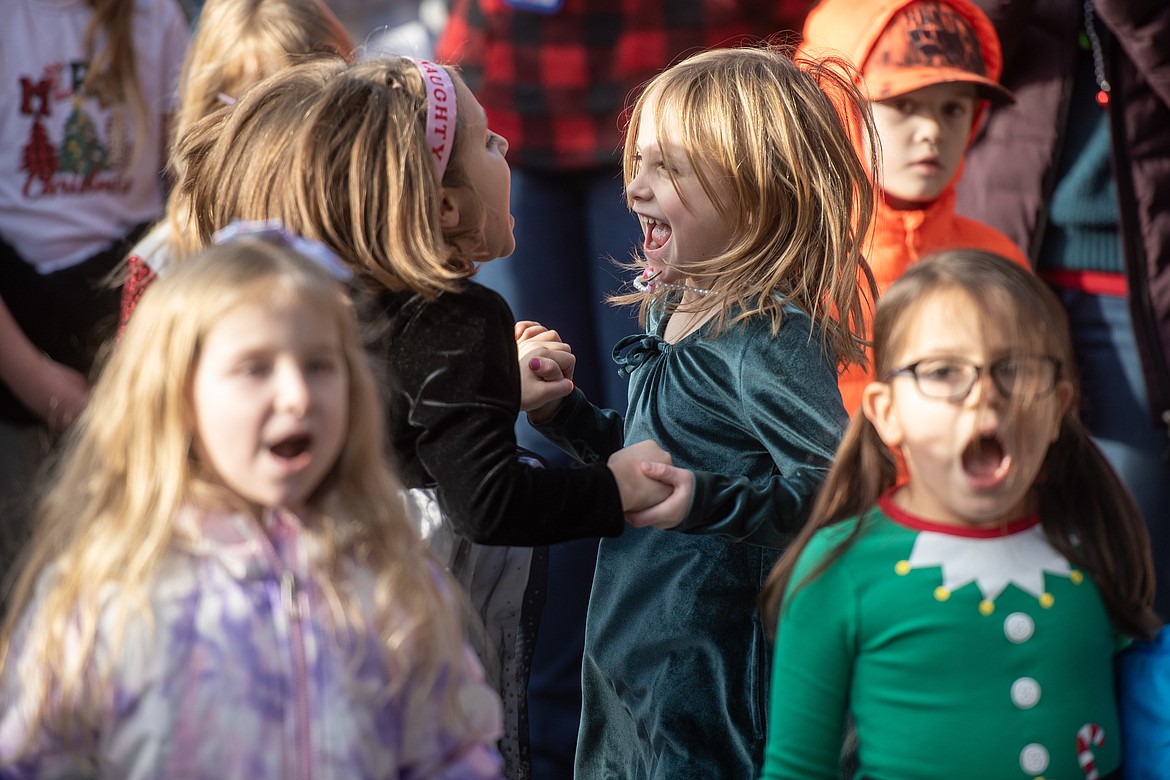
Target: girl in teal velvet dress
753 203
972 564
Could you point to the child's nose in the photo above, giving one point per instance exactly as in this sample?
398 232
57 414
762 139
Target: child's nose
637 189
292 393
929 127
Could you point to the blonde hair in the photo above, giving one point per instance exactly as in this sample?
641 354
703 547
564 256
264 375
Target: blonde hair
237 45
1086 512
112 76
234 162
128 468
240 42
338 153
801 200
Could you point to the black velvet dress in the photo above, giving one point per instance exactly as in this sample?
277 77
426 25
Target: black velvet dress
454 395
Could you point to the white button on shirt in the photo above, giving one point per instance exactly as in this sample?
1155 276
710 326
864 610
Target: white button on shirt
1025 693
1018 627
1034 759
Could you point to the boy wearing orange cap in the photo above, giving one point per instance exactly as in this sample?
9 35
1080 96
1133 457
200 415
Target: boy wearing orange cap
930 68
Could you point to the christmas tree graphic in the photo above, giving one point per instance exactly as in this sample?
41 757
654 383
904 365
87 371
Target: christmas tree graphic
81 149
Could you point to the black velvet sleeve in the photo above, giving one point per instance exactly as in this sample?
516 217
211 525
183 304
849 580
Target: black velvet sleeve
454 394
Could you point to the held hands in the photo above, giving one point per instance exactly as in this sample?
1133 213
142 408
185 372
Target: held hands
670 511
654 492
546 370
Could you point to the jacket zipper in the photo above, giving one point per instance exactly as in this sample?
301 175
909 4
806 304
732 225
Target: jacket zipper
290 599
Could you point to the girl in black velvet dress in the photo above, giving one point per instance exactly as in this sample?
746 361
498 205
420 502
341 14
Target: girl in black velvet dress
392 165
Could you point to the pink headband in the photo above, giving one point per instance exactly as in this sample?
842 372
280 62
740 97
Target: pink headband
441 106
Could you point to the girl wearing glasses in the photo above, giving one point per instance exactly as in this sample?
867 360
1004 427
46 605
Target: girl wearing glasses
972 563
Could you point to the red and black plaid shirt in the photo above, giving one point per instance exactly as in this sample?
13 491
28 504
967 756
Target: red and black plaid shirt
556 85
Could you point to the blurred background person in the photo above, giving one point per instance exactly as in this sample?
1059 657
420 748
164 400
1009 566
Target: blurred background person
90 88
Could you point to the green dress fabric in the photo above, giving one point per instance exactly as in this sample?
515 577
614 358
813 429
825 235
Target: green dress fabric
675 675
961 654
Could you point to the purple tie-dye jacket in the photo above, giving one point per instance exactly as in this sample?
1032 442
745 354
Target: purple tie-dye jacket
241 674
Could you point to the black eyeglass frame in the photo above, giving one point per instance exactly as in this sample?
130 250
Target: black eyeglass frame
995 368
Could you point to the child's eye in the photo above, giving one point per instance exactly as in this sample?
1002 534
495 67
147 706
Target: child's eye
940 371
955 110
253 368
322 365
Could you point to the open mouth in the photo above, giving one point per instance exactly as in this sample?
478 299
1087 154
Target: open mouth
291 448
985 462
657 233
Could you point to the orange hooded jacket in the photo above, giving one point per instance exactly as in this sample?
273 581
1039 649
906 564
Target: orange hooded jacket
849 29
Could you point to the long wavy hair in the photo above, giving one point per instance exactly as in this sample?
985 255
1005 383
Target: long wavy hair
1086 512
337 152
112 76
801 200
106 521
237 44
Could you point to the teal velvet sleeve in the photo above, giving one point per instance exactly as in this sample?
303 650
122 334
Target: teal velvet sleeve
784 394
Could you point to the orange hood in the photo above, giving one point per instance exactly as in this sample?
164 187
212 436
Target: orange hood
850 29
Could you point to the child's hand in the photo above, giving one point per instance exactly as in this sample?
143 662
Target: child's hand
531 336
546 370
544 382
669 512
628 465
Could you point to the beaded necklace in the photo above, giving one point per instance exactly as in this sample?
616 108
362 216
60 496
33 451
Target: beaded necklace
647 282
686 288
1092 41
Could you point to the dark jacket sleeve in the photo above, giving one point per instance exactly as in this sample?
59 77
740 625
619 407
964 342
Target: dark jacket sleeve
455 395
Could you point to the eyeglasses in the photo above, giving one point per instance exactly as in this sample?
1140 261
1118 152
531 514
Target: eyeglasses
1023 377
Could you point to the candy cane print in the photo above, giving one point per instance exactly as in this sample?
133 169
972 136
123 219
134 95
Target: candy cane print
1089 735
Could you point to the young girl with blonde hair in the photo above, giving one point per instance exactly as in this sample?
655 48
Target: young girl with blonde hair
237 44
391 163
223 581
753 204
966 614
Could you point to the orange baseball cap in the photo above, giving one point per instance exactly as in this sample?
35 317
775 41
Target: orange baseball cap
928 43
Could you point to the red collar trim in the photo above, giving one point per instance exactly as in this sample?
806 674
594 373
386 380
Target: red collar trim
902 517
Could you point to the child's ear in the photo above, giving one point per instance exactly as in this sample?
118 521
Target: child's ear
877 404
449 209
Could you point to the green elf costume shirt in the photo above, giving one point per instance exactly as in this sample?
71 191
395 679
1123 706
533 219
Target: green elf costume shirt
962 653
